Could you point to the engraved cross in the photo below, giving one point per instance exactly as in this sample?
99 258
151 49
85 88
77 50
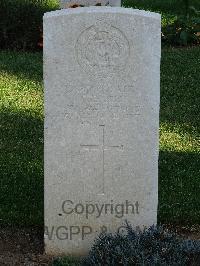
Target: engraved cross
102 147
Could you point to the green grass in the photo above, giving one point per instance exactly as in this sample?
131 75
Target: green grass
179 166
21 131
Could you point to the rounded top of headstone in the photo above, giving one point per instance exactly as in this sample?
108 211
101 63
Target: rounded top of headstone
103 9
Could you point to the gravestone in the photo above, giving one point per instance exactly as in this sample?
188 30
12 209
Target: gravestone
70 3
102 86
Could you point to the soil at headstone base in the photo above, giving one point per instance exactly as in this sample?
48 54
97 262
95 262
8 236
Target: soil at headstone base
25 246
22 246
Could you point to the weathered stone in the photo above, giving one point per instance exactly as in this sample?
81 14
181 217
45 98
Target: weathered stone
71 3
102 80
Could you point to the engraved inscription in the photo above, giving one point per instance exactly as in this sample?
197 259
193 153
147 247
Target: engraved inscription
102 47
122 103
96 110
102 147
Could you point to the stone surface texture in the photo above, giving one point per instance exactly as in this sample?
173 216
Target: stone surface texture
102 93
69 3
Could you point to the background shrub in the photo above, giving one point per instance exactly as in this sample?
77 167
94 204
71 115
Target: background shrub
178 7
180 19
182 32
21 23
154 246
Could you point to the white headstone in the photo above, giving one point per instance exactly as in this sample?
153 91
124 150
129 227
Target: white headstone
70 3
102 91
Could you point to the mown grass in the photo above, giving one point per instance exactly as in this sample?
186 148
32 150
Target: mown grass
179 166
21 142
21 131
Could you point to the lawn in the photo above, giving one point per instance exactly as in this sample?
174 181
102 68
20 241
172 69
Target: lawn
179 164
21 131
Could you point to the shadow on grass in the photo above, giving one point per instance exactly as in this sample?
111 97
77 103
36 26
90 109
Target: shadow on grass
21 169
23 65
180 90
21 157
21 183
179 188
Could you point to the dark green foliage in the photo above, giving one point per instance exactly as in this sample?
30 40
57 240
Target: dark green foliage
180 19
153 246
21 22
185 29
182 32
176 7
